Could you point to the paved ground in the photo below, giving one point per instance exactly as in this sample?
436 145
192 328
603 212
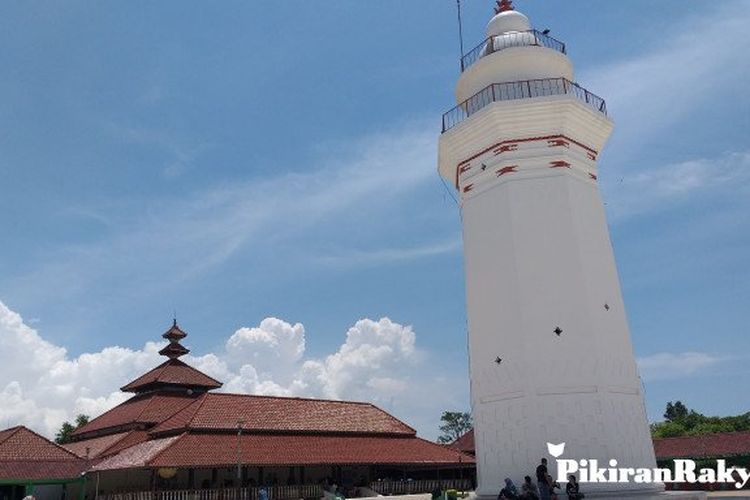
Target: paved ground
714 495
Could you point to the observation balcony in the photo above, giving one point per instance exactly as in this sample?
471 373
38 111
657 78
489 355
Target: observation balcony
521 90
497 43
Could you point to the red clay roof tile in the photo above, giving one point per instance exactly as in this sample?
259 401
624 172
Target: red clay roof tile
40 469
24 444
221 412
464 443
94 447
722 444
172 372
145 410
189 450
104 446
24 454
137 456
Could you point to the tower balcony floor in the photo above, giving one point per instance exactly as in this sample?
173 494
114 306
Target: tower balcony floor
523 89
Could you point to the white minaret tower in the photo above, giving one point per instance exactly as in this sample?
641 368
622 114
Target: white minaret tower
550 353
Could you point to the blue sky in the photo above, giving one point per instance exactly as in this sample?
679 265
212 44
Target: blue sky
278 159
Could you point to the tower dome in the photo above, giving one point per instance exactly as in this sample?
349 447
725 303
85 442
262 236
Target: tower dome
507 21
512 52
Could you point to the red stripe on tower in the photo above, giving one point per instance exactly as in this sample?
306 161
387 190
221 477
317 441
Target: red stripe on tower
559 164
553 143
506 148
507 170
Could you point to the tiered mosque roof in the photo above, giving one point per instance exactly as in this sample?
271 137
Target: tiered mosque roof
174 420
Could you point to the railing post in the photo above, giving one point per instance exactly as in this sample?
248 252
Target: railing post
493 92
528 87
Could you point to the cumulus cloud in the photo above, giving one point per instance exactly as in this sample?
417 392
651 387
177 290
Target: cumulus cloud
42 385
666 365
273 348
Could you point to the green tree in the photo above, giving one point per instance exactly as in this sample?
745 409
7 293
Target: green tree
682 421
454 425
675 411
667 429
67 429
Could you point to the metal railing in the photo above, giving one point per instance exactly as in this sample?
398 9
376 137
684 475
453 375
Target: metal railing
520 90
419 486
250 493
516 39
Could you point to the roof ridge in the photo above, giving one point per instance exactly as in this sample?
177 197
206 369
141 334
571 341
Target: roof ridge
199 398
169 445
198 403
444 447
301 398
117 441
197 409
154 375
148 405
111 410
394 418
11 431
697 436
59 446
203 373
160 369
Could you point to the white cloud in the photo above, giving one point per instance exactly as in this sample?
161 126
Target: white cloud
388 255
182 235
273 348
673 89
697 62
42 385
377 362
660 188
666 365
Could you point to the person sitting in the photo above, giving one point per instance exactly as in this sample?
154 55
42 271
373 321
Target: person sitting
553 485
437 492
509 492
572 489
529 490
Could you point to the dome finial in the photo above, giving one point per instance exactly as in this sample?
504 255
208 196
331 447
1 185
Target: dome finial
503 5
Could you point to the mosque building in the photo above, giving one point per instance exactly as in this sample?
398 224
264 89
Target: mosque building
178 433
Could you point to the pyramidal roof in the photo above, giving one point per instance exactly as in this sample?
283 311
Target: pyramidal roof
27 456
173 374
174 349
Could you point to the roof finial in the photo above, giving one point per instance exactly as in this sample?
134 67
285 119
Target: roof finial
174 349
503 5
